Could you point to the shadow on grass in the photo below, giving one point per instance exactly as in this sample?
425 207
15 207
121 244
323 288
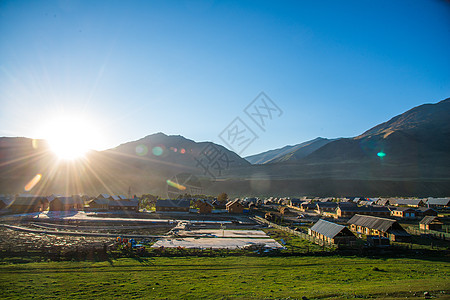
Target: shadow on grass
145 261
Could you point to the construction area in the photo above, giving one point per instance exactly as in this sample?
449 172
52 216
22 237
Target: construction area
77 235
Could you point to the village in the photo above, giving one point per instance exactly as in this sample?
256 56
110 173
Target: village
270 225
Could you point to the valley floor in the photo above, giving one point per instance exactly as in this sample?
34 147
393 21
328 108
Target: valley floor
228 278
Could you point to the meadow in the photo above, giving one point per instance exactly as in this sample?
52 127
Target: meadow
229 277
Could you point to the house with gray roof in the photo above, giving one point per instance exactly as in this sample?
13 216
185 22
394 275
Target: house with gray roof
60 203
438 202
373 210
407 202
180 205
430 223
331 233
370 225
322 207
26 203
124 205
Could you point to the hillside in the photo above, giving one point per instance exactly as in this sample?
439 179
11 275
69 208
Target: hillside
288 153
407 155
144 166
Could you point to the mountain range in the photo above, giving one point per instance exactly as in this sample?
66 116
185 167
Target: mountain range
408 155
289 153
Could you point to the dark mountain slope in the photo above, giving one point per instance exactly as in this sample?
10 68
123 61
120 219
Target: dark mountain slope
144 165
288 153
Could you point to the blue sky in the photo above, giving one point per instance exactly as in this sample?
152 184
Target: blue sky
133 68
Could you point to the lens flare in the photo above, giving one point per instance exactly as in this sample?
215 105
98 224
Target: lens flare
176 185
381 154
157 151
31 184
182 151
34 143
141 150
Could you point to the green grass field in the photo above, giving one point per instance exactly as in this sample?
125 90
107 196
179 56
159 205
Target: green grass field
227 278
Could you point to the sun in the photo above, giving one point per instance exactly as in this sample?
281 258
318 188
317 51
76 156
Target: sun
70 137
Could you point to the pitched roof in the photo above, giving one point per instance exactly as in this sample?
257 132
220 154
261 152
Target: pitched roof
328 229
366 202
28 200
384 201
99 201
377 223
5 200
326 204
428 220
347 204
173 203
425 209
403 208
414 202
371 208
230 203
128 203
296 200
69 200
439 201
53 197
205 202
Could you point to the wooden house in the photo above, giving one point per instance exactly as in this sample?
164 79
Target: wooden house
331 233
438 202
322 207
178 205
425 211
408 202
99 204
384 202
124 205
65 203
4 202
235 207
219 204
373 210
430 223
294 202
307 206
370 225
204 206
28 204
103 196
404 212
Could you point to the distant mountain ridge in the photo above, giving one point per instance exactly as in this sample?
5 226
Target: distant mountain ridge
289 153
408 155
144 165
420 135
176 150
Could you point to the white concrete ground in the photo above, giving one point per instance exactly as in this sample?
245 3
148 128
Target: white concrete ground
215 243
218 239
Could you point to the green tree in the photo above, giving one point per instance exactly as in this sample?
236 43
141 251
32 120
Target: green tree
222 197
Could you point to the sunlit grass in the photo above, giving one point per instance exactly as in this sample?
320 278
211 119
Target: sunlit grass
227 277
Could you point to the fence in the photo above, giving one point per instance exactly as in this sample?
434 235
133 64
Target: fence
436 234
296 233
